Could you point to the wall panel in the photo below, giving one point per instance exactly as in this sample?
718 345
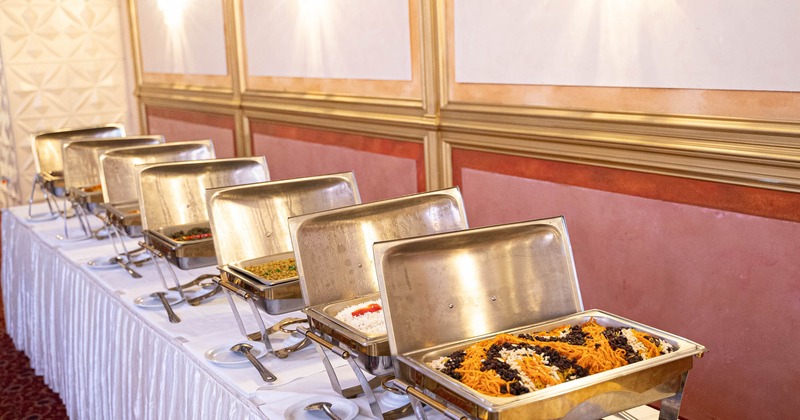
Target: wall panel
178 125
384 168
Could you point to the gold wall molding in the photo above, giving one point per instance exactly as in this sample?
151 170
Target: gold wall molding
764 154
752 152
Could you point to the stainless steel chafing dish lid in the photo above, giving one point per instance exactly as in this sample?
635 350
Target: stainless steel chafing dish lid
47 150
174 193
472 282
334 247
82 157
250 221
117 166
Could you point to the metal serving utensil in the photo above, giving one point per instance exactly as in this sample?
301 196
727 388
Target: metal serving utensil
245 348
170 313
126 265
323 406
199 299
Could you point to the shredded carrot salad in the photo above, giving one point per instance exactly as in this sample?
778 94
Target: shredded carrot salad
512 365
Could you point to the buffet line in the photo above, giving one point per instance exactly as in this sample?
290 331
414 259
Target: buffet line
431 316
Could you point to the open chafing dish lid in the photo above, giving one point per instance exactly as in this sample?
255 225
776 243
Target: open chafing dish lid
250 221
82 157
174 193
468 283
47 150
334 247
117 166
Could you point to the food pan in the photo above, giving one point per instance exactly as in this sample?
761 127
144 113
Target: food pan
334 252
126 217
264 208
118 171
272 296
173 196
184 254
466 286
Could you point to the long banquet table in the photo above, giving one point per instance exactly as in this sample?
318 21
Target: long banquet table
109 358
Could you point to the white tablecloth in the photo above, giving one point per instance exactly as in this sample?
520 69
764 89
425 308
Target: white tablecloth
110 359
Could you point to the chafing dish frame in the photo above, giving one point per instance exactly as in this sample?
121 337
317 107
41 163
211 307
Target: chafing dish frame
540 249
323 330
123 216
84 201
279 199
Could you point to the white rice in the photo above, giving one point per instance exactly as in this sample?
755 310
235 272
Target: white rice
371 323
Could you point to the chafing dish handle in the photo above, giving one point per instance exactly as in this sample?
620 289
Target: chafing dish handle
154 251
344 354
436 405
232 287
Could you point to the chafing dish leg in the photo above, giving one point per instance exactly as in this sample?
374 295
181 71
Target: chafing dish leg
37 183
235 311
670 406
261 326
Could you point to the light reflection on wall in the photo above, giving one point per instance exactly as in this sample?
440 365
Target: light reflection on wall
173 12
312 31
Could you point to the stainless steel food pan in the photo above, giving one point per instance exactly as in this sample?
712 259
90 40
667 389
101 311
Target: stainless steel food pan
174 193
594 396
272 296
118 166
323 318
82 158
183 254
125 216
471 285
47 145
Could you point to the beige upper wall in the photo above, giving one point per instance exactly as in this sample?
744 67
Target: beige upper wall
66 65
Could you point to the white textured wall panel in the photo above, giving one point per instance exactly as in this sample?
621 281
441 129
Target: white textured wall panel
64 64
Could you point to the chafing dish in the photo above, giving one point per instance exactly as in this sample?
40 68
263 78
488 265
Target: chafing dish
335 265
173 197
49 163
264 209
471 285
118 177
82 165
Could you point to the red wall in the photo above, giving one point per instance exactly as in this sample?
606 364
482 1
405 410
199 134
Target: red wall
383 168
709 262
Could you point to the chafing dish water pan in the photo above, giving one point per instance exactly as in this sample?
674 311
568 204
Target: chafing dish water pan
173 196
467 286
